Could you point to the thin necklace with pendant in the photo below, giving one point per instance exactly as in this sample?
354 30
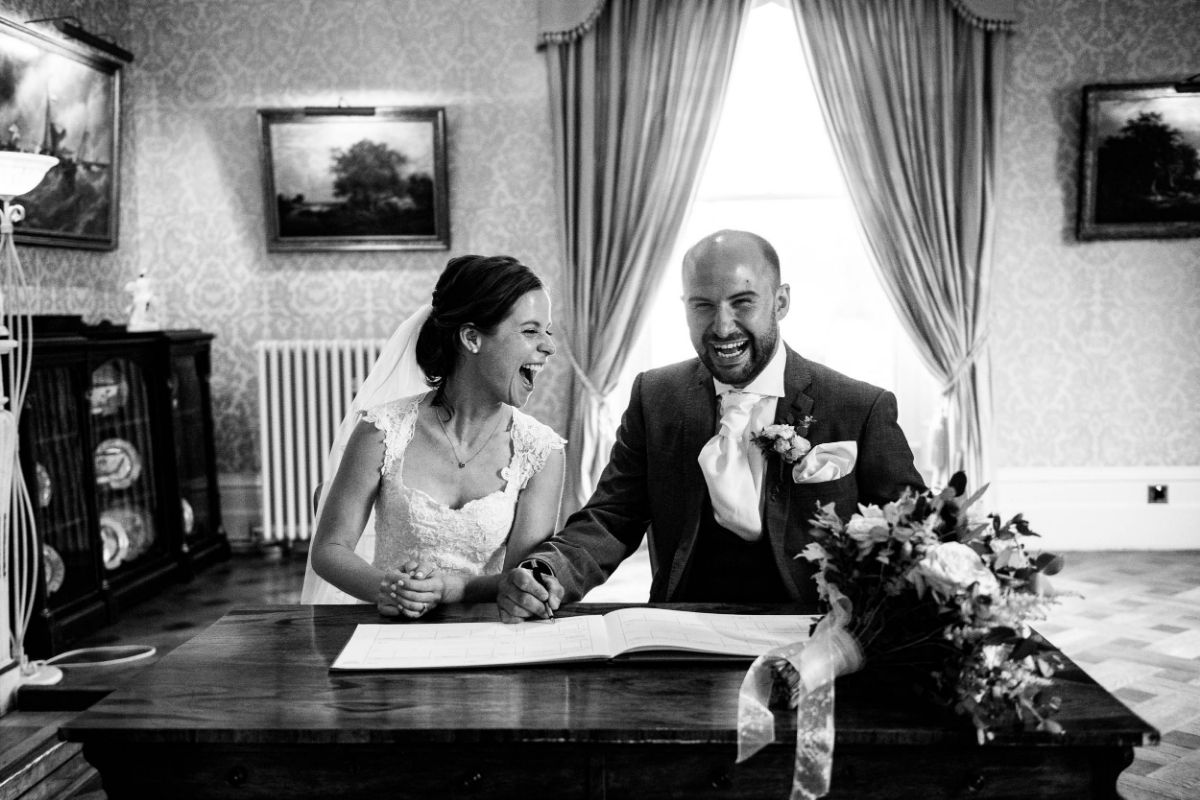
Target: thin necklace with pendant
462 462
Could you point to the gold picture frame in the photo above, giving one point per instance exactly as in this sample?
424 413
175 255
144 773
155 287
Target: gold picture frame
350 178
1140 161
63 101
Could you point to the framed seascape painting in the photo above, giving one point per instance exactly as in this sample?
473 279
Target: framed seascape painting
355 178
64 102
1140 161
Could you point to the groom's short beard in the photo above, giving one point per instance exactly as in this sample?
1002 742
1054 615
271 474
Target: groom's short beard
761 349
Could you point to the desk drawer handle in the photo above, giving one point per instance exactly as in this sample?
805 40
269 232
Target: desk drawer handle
722 780
472 781
976 783
236 776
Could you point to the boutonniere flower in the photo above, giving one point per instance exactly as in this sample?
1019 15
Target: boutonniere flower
784 440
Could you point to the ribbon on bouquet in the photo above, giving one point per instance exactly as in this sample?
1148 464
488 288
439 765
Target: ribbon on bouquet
810 667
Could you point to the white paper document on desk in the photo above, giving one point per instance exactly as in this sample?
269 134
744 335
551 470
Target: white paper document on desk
654 632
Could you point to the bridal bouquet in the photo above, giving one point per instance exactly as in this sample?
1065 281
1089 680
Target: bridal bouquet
919 588
928 588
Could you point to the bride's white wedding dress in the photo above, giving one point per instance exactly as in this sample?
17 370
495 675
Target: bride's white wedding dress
411 525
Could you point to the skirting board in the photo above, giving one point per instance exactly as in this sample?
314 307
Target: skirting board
241 507
1073 508
1102 508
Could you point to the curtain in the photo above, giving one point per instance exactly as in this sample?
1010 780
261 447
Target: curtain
911 93
635 96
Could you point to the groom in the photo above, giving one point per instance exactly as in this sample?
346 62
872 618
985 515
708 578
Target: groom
726 518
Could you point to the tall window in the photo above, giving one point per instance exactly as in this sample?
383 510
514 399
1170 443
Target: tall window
772 171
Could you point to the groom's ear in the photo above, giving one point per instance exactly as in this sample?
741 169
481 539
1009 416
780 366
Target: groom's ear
783 301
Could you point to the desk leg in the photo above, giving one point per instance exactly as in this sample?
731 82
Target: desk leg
1107 768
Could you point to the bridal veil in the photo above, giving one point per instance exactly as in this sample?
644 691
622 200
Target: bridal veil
395 375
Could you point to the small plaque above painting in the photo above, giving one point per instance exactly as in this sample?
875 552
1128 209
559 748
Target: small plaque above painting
349 178
1140 161
62 101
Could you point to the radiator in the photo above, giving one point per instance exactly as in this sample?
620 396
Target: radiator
304 390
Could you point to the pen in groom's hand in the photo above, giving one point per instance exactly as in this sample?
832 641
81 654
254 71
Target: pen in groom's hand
539 569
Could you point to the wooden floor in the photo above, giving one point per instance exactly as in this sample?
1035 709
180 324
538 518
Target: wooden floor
1135 628
1133 624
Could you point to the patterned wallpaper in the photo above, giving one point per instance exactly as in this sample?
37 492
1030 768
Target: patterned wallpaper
193 197
1093 343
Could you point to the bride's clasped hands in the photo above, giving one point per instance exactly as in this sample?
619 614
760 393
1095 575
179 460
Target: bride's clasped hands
415 589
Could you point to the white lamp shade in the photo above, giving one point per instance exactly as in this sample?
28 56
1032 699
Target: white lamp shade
22 172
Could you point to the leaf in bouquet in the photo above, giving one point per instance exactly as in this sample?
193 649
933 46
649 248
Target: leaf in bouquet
1020 577
1052 727
1044 667
1022 525
970 501
1002 532
921 507
972 534
1001 634
1049 563
827 518
1011 558
1047 703
958 482
1024 648
1040 585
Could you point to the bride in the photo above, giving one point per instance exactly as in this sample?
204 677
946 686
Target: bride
440 482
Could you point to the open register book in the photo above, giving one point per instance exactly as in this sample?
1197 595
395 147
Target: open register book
654 632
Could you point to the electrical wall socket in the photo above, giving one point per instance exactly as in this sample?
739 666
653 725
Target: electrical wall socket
1156 493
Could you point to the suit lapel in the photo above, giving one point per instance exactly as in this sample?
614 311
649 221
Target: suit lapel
790 410
797 379
699 424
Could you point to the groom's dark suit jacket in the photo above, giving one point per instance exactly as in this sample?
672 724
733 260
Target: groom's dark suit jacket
652 478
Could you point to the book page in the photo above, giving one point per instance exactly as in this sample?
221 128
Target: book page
473 644
634 629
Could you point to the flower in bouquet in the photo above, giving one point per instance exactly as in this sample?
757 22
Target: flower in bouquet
947 597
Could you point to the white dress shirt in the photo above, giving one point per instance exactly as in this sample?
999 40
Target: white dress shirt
770 384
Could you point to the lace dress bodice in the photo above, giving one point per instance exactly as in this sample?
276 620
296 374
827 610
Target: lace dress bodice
409 524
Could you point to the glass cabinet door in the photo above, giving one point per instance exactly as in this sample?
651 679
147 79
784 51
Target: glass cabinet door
191 453
51 433
126 497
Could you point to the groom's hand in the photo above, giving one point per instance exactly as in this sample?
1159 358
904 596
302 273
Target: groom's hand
523 596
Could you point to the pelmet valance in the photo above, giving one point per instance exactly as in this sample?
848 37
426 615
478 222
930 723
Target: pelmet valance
991 15
561 21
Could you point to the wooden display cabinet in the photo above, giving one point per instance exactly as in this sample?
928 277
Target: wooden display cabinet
117 450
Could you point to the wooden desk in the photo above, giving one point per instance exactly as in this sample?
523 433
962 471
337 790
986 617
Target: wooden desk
249 709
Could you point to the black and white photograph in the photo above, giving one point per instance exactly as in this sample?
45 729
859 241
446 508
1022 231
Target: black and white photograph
623 399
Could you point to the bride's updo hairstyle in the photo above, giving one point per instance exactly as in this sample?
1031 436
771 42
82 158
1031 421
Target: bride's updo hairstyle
473 290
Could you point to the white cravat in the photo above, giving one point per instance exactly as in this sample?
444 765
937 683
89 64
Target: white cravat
725 462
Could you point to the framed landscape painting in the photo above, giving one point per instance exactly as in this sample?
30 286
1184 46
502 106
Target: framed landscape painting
64 102
1140 162
355 178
